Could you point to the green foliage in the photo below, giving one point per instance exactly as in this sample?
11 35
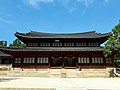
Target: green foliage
113 44
17 43
3 43
117 58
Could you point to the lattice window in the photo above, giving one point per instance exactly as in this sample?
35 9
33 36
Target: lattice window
83 60
68 44
44 44
81 44
56 44
17 60
93 44
29 60
108 60
32 44
42 60
97 59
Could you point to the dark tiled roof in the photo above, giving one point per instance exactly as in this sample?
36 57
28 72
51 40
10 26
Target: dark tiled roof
2 54
91 34
56 49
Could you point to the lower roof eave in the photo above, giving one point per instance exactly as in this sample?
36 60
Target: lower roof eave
66 49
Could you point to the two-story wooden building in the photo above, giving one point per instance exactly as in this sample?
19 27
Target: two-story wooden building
50 50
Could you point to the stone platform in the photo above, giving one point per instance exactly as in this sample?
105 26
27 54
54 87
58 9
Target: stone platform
55 73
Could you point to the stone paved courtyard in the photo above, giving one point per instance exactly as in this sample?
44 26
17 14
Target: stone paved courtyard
36 83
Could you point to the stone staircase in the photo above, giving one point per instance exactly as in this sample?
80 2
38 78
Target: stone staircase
71 73
55 73
63 73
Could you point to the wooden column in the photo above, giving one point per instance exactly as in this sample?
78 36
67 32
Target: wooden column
0 60
35 63
63 62
90 60
22 58
76 62
49 62
104 62
113 63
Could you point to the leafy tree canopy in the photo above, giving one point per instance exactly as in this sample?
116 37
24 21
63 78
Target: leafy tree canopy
17 43
3 43
113 44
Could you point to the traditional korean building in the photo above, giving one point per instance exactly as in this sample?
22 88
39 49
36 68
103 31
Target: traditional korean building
50 50
5 58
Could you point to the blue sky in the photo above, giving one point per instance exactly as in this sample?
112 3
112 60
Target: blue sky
57 16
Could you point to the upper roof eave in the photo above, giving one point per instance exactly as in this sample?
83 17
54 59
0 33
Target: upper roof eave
91 34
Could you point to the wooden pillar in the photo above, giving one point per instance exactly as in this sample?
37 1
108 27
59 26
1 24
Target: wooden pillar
0 60
90 60
76 62
113 63
49 62
104 62
12 62
63 44
63 62
50 44
35 63
38 44
22 59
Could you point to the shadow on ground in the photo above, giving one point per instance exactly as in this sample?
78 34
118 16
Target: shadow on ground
7 79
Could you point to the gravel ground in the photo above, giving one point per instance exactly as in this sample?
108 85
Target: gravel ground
60 83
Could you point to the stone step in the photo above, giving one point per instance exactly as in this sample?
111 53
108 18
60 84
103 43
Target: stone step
29 73
71 75
54 73
92 74
3 73
27 89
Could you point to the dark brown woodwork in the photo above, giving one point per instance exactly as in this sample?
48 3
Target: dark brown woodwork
53 51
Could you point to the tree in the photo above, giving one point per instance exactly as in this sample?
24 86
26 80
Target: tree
3 43
17 43
112 46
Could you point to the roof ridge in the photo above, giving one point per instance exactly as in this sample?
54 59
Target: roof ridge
62 33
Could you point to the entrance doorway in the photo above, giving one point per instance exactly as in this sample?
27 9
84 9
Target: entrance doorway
56 61
59 62
69 62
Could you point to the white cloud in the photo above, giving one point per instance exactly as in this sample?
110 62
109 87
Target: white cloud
35 3
22 8
70 5
5 21
86 2
73 5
